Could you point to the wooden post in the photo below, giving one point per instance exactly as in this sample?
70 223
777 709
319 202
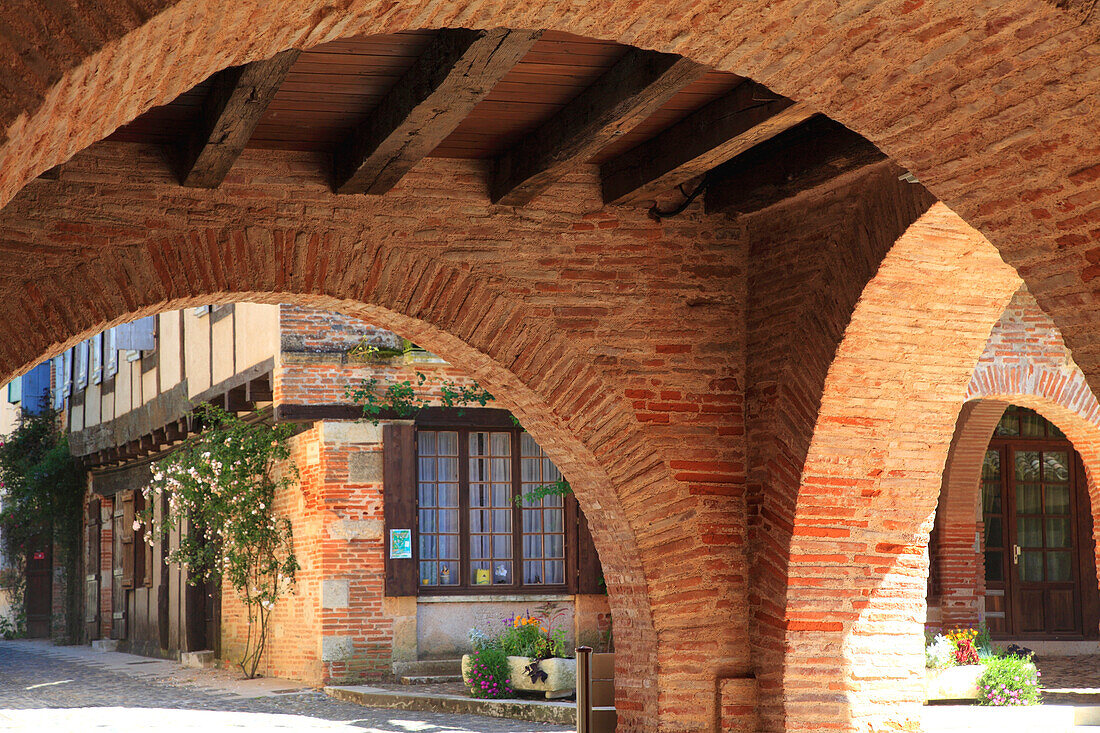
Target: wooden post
584 689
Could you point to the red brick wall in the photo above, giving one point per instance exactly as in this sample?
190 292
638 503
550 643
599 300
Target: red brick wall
811 262
591 337
867 495
318 364
293 647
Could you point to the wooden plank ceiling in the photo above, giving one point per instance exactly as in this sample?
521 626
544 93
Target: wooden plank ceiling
536 103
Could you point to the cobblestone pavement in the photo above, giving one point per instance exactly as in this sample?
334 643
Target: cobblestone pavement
1070 680
45 688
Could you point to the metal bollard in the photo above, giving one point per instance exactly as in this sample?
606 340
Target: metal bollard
584 689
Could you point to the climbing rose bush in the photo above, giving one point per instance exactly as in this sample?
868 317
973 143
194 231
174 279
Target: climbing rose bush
220 489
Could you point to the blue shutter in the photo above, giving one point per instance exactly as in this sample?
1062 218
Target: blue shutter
95 360
67 377
15 390
36 389
139 335
58 382
110 353
81 364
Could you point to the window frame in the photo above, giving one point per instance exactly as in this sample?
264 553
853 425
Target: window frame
517 587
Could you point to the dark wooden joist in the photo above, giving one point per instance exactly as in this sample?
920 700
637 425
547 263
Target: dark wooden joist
639 84
708 137
800 159
448 80
237 100
259 390
236 399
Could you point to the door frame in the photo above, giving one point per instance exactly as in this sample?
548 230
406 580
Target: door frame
1086 592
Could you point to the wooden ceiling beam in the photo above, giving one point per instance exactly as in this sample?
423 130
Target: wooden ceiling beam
708 137
635 87
237 100
802 158
448 80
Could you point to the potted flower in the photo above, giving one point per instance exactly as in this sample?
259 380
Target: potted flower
963 665
527 654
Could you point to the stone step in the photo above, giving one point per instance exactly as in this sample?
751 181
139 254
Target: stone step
431 679
428 668
1086 716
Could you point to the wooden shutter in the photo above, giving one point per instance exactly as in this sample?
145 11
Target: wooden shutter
399 503
589 572
127 539
91 570
143 560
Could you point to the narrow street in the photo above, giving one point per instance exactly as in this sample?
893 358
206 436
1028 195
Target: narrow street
46 688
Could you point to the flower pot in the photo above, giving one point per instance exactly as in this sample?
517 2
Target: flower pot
561 675
954 683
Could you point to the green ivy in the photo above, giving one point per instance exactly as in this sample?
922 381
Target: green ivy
221 488
404 399
43 490
560 487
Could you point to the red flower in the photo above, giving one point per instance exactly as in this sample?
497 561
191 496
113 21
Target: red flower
965 653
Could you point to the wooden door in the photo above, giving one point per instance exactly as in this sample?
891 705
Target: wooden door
1045 576
91 571
118 591
38 600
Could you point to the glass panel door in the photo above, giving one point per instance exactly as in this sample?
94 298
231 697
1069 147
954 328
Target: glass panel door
1044 574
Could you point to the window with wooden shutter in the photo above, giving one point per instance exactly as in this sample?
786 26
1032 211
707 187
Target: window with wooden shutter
474 536
127 529
399 503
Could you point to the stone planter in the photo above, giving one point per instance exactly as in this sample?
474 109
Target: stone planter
561 675
953 683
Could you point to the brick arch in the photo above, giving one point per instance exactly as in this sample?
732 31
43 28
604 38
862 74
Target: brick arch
966 97
578 417
1063 397
869 485
958 515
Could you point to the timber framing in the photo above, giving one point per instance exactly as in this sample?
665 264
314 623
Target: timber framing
800 159
448 80
639 84
237 101
723 129
169 419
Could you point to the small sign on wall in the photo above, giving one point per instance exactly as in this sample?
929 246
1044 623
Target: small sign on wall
401 544
41 555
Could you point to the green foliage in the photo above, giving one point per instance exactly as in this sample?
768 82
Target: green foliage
1009 680
535 636
404 399
489 673
42 496
560 487
220 489
983 641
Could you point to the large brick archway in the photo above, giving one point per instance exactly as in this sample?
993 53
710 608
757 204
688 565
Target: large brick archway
603 373
871 478
1025 363
968 98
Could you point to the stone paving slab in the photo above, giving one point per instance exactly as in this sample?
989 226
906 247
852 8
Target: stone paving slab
539 711
47 688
